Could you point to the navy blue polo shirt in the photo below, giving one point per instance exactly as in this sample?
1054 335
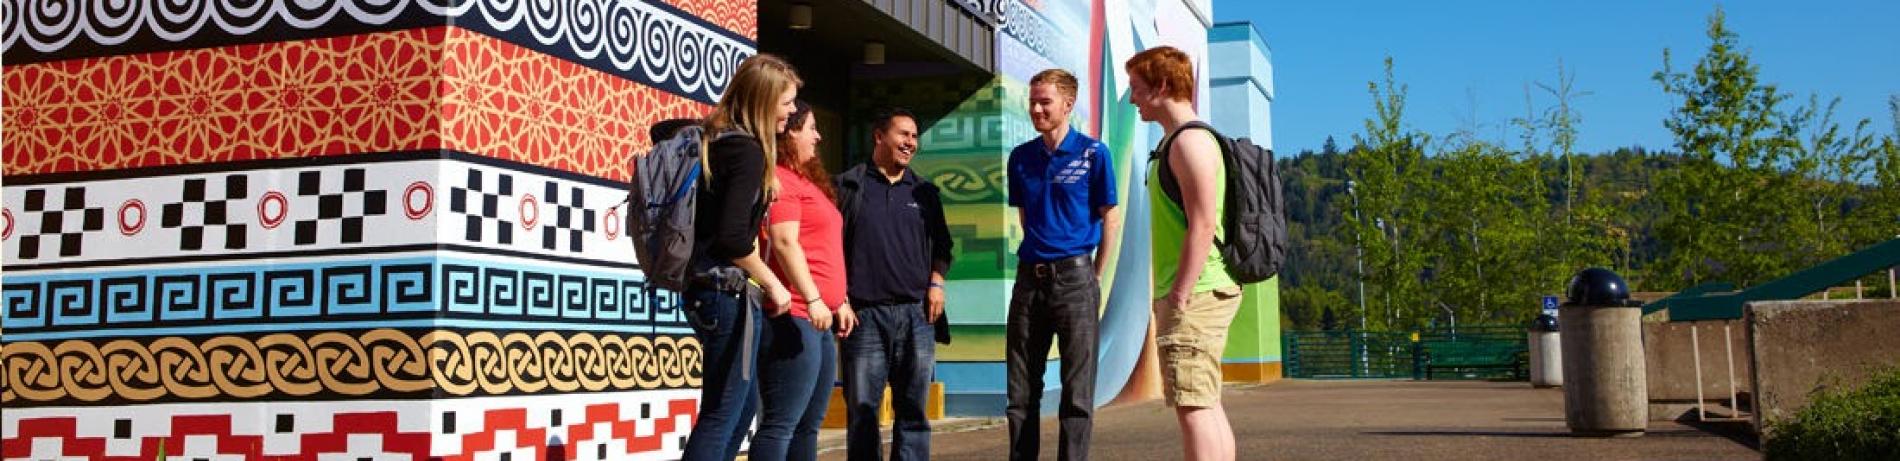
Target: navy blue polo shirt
1058 192
889 256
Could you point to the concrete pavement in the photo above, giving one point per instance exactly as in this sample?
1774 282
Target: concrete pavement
1358 420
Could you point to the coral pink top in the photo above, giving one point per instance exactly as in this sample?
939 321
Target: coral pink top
820 234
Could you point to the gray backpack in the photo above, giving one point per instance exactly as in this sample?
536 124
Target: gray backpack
661 207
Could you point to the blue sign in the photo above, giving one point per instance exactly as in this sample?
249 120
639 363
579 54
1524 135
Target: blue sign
1550 305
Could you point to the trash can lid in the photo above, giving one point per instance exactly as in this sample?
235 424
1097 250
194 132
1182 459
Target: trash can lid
1545 322
1598 287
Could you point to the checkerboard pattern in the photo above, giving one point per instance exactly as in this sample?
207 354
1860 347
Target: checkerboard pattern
345 208
196 212
63 225
480 204
572 218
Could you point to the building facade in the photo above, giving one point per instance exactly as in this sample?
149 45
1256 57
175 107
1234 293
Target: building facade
1241 75
392 228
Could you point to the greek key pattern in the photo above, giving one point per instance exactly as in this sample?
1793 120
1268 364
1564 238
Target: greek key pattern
381 363
639 40
418 290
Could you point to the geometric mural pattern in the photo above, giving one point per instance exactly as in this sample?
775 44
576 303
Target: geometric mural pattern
506 101
425 290
440 87
382 363
640 41
283 208
741 18
351 229
647 425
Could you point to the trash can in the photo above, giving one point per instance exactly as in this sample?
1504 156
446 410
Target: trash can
1546 353
1605 391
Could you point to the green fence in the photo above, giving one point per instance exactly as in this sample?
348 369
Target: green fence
1348 354
1480 352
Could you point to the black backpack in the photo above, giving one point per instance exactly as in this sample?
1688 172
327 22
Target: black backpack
1254 246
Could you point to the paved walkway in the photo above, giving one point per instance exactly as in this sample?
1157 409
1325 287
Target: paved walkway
1359 420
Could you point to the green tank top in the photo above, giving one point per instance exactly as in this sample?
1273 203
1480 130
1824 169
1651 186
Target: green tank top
1169 232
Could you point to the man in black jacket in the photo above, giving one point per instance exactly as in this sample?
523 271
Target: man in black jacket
897 249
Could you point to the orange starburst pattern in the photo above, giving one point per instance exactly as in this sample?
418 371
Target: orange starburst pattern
431 88
739 17
343 95
510 102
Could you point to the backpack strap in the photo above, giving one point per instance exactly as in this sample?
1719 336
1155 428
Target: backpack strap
1170 186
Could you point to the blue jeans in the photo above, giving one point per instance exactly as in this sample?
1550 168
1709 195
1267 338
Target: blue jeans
727 325
894 344
795 377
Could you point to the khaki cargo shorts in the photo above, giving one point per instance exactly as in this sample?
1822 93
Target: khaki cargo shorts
1191 342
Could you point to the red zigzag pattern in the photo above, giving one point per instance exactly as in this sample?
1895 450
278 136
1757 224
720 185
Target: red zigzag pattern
414 444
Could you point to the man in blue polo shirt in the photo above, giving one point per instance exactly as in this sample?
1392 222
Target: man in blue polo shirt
1063 187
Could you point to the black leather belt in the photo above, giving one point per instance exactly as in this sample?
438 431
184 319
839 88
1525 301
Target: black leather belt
1044 270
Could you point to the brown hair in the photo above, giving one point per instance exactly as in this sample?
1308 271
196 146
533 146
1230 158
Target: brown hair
1165 67
812 170
748 105
1062 79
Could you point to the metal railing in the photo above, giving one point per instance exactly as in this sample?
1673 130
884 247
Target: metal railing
1479 352
1718 301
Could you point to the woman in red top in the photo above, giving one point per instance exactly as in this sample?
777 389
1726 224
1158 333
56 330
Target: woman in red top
807 251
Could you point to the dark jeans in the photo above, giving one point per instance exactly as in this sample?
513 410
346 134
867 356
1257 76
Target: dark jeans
896 344
727 325
1052 300
795 387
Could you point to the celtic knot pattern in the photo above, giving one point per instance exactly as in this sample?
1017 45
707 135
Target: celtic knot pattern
381 363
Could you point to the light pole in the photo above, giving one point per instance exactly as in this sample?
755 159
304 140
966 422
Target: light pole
1359 259
1392 271
1359 253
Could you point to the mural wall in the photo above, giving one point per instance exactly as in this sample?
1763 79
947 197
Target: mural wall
370 229
966 153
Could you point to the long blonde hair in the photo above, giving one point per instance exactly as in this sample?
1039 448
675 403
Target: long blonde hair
751 105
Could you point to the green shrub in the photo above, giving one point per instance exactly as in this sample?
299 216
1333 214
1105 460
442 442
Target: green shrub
1852 424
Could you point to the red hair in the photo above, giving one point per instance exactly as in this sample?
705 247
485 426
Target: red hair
1167 68
813 169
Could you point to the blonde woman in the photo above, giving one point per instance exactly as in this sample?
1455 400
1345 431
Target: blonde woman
741 137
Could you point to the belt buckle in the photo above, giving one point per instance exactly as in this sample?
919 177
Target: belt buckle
1042 270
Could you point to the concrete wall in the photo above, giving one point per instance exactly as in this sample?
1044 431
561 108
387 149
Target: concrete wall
1669 352
1801 347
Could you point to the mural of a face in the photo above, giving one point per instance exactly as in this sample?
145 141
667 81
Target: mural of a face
1048 107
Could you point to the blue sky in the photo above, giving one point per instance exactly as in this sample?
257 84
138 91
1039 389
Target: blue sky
1470 60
